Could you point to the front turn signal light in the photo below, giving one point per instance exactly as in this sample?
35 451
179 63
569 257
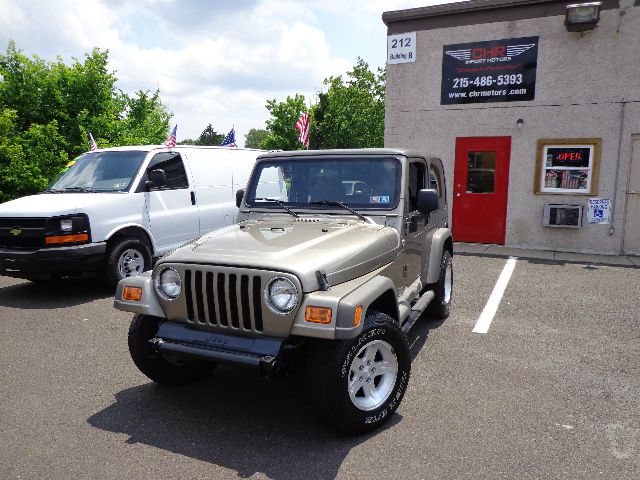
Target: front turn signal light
132 293
357 316
318 315
57 239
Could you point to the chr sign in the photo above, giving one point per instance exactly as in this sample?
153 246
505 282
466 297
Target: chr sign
493 71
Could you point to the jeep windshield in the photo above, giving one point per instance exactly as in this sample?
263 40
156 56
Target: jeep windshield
320 183
99 172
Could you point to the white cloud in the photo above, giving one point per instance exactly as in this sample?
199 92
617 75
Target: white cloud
226 80
214 65
11 14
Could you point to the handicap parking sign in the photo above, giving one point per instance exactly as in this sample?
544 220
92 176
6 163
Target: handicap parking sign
598 210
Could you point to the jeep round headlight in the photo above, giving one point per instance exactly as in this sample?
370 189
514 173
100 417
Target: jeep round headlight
281 295
168 283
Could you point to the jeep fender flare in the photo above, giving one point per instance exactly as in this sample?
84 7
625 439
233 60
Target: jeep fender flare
148 303
440 241
378 288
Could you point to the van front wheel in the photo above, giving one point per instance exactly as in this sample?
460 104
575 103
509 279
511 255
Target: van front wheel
126 257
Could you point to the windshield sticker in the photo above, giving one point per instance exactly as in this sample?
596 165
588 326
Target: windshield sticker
379 199
68 166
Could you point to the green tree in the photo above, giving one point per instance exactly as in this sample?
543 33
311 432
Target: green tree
48 108
282 133
351 112
146 120
255 137
22 172
208 137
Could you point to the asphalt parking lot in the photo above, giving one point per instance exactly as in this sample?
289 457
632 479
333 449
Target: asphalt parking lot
552 390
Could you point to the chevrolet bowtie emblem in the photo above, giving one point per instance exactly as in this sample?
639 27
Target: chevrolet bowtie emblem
15 231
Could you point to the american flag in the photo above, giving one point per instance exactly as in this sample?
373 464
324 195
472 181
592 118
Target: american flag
230 139
92 142
304 125
171 139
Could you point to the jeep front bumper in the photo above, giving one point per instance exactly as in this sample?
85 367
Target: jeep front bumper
260 353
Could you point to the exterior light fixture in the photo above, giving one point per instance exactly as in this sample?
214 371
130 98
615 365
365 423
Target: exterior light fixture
581 17
519 123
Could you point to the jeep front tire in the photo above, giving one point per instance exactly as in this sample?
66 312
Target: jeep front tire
357 384
164 370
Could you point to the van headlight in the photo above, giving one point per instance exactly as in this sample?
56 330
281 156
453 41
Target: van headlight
281 295
66 225
168 283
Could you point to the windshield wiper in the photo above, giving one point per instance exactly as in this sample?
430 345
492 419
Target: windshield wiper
339 204
78 189
279 203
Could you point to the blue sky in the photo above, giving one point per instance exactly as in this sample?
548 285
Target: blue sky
214 61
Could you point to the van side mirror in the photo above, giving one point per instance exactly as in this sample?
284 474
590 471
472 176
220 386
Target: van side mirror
428 201
157 179
239 197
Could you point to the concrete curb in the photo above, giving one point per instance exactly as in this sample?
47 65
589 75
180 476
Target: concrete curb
499 251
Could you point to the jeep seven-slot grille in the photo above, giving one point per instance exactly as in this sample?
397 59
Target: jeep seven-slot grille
224 300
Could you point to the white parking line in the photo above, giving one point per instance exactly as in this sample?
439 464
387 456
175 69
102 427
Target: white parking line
486 317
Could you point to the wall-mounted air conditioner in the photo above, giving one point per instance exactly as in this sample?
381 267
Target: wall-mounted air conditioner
560 215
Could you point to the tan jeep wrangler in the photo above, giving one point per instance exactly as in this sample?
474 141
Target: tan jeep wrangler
335 256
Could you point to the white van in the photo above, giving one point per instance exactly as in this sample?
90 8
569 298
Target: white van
117 208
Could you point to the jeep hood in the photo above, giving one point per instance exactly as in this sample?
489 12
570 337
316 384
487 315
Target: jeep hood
343 249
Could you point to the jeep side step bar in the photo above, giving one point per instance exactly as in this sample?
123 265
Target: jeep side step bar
417 309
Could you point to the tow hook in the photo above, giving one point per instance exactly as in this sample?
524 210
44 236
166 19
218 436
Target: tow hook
156 343
269 366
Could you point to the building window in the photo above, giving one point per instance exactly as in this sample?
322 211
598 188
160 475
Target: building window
568 166
481 172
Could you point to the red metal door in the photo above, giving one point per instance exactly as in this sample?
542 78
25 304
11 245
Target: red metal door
480 187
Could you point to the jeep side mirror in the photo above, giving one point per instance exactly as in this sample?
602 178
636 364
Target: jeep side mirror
239 197
157 179
428 201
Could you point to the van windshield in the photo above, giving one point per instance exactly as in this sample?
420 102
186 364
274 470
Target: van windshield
100 172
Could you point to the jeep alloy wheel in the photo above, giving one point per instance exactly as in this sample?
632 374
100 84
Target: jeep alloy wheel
372 375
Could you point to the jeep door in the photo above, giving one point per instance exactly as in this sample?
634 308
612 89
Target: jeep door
414 222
